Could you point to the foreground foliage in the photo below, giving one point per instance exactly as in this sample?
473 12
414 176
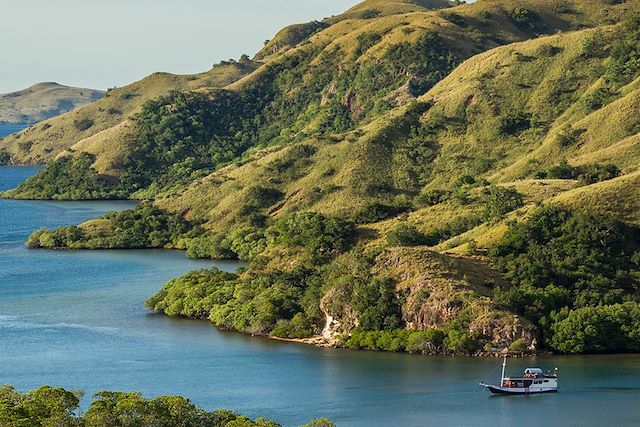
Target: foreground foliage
48 406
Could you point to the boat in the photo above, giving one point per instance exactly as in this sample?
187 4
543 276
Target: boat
533 381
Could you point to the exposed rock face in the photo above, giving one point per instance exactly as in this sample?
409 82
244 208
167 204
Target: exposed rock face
340 319
435 289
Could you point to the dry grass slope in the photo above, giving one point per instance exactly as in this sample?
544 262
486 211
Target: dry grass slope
42 101
43 142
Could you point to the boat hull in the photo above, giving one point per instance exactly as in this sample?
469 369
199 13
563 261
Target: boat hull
519 391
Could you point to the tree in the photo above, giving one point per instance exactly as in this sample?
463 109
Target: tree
499 201
405 234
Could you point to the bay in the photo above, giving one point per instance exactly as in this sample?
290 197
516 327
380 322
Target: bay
8 129
76 319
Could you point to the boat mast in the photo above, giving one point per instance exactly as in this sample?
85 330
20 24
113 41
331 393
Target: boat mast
504 366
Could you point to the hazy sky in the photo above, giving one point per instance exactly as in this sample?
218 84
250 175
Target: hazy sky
104 43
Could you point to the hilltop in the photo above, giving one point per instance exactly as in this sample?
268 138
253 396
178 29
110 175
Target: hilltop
43 101
43 142
408 176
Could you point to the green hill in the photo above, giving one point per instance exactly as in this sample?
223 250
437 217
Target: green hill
45 141
43 101
425 177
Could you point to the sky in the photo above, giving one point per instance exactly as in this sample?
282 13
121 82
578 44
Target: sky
105 43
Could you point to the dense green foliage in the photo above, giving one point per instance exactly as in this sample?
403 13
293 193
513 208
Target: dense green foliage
68 178
256 304
183 136
5 158
587 174
281 303
588 254
320 236
241 242
48 406
601 329
405 234
563 259
451 229
624 65
514 123
499 201
377 211
145 226
447 339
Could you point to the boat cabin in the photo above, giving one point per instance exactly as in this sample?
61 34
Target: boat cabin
533 380
531 376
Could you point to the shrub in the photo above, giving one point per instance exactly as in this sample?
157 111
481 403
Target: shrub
594 45
525 19
298 327
514 123
83 124
211 246
145 226
425 341
519 346
405 234
365 42
262 197
532 302
548 50
320 235
460 341
587 174
5 158
320 422
376 211
499 201
569 136
454 228
465 180
377 305
433 197
598 98
593 173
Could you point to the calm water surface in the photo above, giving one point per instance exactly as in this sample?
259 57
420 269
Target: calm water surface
76 319
9 129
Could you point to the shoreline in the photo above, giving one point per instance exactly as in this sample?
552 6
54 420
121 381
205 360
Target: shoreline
319 341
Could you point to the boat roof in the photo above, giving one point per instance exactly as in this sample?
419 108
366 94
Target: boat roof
534 371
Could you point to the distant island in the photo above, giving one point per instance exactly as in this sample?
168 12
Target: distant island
411 175
43 101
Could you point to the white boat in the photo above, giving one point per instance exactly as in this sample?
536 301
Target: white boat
534 380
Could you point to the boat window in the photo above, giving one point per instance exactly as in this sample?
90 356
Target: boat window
546 381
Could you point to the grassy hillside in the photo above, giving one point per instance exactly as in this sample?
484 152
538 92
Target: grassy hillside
43 101
45 141
338 79
425 178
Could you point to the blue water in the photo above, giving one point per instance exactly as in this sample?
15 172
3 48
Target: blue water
9 129
76 319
